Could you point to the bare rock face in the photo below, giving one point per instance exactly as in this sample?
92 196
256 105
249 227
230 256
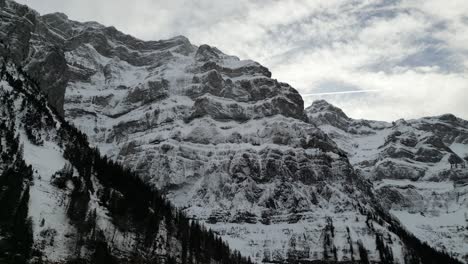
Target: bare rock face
27 39
404 149
228 144
417 167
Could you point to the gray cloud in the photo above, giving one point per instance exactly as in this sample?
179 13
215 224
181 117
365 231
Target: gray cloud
413 51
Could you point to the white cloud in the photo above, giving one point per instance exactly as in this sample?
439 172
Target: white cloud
414 51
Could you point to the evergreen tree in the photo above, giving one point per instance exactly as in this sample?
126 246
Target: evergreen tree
364 256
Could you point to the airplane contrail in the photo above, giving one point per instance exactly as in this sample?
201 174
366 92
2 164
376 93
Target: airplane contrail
342 92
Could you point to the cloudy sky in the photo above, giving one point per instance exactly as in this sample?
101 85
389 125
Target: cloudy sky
377 59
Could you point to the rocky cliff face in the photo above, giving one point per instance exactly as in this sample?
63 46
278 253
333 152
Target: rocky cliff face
30 43
418 168
228 144
431 148
62 202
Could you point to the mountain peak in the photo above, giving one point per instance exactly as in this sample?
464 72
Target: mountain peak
323 106
59 15
449 118
180 38
206 53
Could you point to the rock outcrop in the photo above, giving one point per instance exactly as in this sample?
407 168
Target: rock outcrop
418 168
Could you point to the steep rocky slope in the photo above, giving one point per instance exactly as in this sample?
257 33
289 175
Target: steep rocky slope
226 143
418 168
61 202
27 41
421 149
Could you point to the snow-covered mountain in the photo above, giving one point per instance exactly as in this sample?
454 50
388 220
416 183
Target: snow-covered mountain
226 143
418 168
61 202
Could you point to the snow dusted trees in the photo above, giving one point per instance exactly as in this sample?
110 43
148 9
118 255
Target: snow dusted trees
60 178
454 161
33 126
385 252
329 248
363 254
15 226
